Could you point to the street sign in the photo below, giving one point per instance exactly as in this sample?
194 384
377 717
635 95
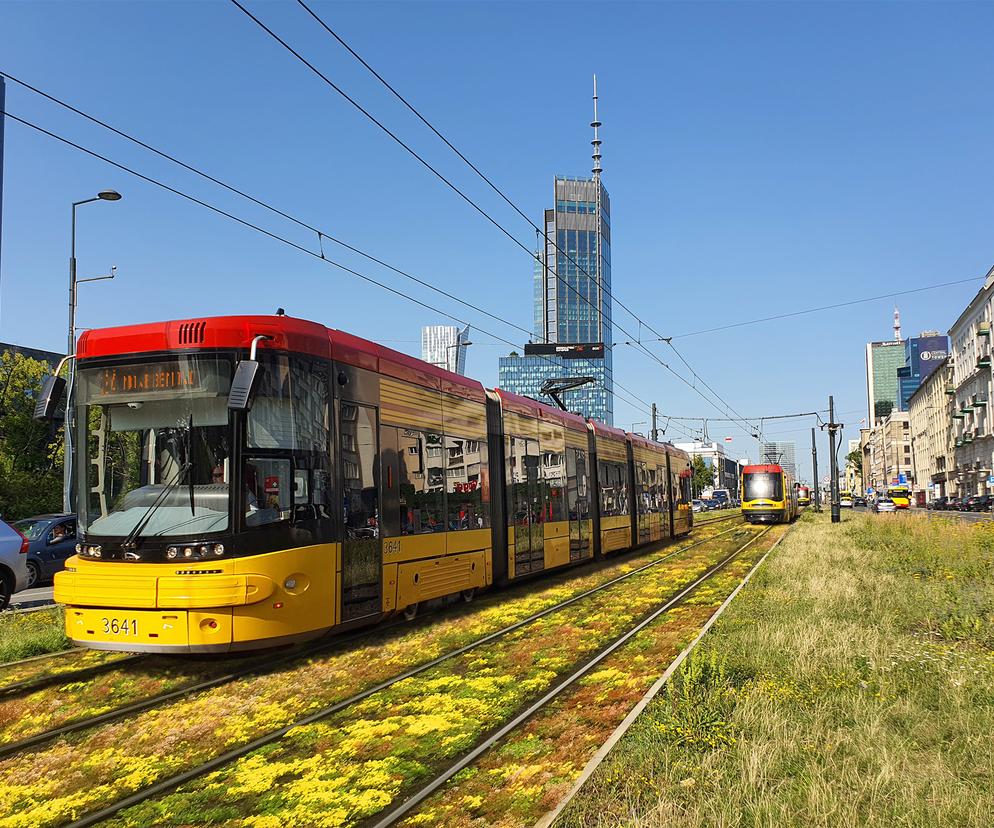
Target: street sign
990 480
902 478
869 489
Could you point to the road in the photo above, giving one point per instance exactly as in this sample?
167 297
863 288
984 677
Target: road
972 517
29 598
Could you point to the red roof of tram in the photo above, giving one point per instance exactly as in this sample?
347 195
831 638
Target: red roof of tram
768 467
288 334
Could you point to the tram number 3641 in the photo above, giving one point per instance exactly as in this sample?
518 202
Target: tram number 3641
115 626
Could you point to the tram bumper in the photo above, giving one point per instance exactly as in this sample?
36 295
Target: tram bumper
116 607
765 515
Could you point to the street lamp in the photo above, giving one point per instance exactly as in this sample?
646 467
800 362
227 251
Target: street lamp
67 487
641 422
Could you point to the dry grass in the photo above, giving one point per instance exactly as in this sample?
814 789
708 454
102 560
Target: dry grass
852 684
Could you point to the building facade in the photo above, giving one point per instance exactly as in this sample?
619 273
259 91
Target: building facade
725 470
51 357
445 347
970 389
887 452
851 479
930 413
572 295
783 452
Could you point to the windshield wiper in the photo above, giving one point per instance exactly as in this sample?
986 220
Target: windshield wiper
189 460
130 543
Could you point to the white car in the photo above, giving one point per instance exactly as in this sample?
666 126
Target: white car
698 506
884 504
13 563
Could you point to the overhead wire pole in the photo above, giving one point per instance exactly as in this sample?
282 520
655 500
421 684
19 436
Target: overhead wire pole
748 431
832 427
814 469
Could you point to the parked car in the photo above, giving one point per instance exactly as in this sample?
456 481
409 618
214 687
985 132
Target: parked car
953 504
978 503
937 504
858 501
884 504
698 506
13 563
713 504
51 539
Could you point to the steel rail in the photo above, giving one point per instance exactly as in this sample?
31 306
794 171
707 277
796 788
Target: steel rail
22 688
467 759
170 783
262 668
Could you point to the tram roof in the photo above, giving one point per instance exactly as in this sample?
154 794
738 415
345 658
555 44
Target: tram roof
287 334
761 468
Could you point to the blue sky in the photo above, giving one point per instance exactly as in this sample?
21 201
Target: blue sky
761 158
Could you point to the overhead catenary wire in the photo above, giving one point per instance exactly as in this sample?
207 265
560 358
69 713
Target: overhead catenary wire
640 405
320 233
507 199
500 227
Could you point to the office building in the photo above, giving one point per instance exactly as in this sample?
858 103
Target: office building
572 295
445 347
51 357
725 470
783 452
887 451
922 354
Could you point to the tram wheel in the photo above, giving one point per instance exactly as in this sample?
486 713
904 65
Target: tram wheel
468 594
411 611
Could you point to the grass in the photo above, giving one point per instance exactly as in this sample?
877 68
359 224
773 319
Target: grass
852 683
26 634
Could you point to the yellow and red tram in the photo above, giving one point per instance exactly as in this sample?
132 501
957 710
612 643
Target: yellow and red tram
255 480
768 494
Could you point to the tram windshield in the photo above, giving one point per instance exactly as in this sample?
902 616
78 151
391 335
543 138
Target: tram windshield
762 485
154 448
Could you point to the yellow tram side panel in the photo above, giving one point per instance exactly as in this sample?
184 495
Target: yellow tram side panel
208 605
416 567
616 533
556 537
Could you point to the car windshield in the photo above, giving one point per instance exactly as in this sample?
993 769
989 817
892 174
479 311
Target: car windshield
155 447
762 485
32 528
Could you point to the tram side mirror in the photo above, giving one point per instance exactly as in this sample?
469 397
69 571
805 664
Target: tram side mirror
48 400
240 395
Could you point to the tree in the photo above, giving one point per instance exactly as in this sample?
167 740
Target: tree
855 459
30 451
703 476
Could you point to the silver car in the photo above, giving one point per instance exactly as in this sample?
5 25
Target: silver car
884 504
13 563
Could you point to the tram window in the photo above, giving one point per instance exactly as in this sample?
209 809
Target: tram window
359 475
420 486
554 482
290 407
268 492
466 464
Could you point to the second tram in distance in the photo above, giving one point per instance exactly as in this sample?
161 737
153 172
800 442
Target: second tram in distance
256 480
768 494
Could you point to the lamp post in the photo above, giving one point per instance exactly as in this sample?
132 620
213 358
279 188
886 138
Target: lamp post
68 500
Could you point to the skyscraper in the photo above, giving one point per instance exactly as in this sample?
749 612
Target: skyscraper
572 295
783 452
922 355
445 346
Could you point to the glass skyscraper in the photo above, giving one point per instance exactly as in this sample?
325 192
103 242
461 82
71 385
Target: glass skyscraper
572 296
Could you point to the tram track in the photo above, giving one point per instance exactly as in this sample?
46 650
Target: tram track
257 668
436 782
168 784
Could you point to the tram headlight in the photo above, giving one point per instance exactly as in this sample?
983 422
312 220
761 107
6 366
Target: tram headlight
219 549
187 551
172 553
79 549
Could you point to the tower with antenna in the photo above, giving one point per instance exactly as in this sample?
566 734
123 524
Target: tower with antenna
572 294
897 325
596 143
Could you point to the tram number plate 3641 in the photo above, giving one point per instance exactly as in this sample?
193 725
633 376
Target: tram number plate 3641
116 626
